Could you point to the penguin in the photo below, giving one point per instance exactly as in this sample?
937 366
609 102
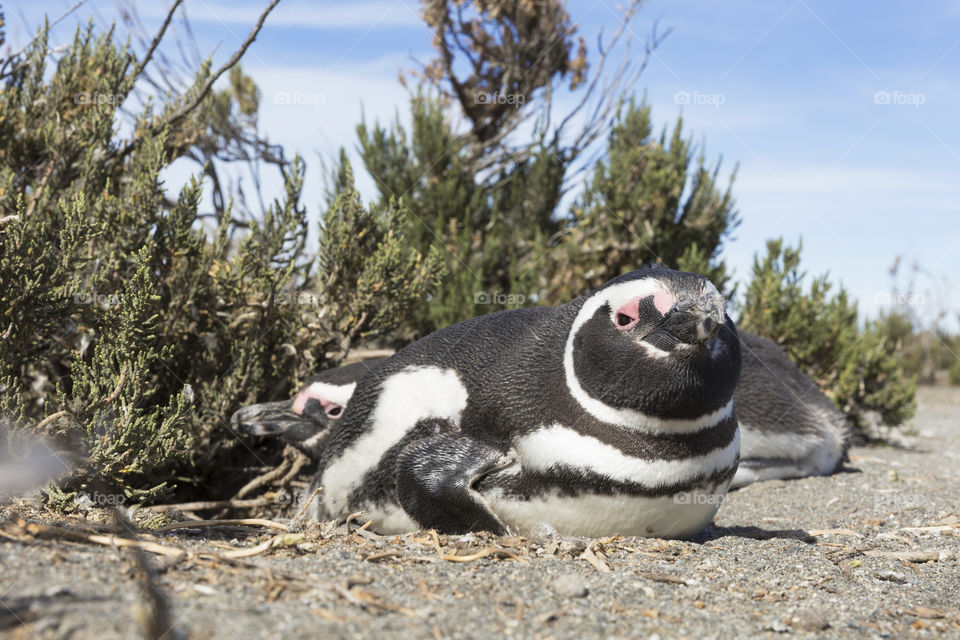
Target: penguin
305 420
611 414
788 427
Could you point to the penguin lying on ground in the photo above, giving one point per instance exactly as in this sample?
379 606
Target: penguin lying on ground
612 414
788 428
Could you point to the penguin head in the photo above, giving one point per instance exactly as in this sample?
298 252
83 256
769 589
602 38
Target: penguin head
306 419
654 341
300 422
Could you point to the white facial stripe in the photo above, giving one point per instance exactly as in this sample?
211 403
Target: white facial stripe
314 440
602 515
616 295
336 393
411 395
554 445
654 352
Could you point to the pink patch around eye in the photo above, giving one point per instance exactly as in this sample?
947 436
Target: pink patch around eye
332 409
664 301
300 401
628 315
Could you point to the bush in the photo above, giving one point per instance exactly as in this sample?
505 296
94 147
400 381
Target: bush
858 368
133 325
649 202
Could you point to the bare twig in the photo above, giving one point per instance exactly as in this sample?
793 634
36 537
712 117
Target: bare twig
14 56
43 531
937 529
211 504
303 509
53 417
906 556
832 532
40 188
383 555
157 39
661 577
486 552
265 478
282 540
230 522
185 109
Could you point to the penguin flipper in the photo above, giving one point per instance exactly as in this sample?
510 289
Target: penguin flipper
435 483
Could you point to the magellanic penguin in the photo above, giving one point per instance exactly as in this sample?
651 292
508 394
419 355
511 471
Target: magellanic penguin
611 414
788 428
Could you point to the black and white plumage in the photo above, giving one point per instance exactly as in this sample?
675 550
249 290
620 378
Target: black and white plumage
788 428
610 414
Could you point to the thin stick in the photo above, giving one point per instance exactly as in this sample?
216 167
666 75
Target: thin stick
906 556
41 530
483 553
832 532
234 522
309 500
50 419
211 504
661 577
283 540
157 39
263 479
185 109
938 529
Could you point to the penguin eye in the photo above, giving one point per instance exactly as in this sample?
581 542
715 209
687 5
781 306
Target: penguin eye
623 319
334 411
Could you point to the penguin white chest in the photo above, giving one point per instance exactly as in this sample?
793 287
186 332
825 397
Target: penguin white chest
675 516
659 497
406 398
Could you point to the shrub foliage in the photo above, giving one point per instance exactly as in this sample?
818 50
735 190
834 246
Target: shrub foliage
133 325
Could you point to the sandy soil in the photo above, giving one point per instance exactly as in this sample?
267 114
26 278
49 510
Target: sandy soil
871 552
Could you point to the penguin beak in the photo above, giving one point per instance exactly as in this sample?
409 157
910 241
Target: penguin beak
696 319
267 419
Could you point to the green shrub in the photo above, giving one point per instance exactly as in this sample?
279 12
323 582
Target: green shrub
135 325
858 368
638 209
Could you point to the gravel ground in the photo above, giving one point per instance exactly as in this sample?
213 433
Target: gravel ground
873 551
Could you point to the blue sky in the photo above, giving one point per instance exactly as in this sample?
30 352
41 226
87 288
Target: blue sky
841 115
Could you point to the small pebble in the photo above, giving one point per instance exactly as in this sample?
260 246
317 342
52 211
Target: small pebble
892 576
570 585
810 621
777 626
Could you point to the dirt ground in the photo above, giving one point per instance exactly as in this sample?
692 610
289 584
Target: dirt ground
871 552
